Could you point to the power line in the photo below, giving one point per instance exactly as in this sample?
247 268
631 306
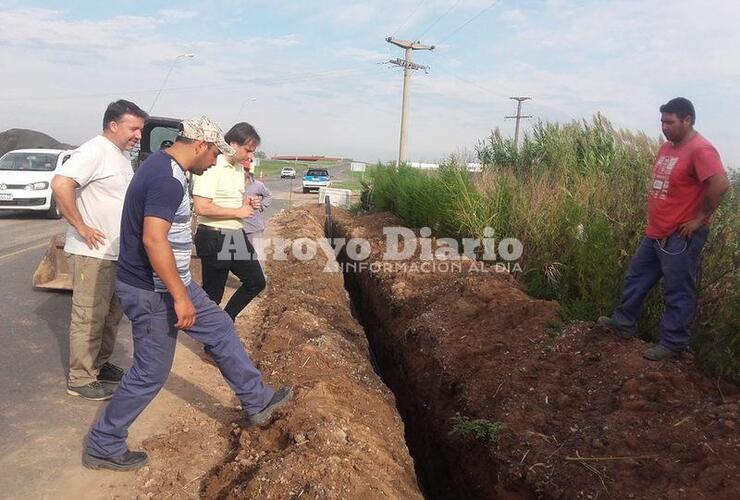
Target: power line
407 18
213 86
434 23
485 89
538 104
483 11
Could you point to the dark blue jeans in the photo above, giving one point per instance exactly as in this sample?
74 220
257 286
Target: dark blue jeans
153 318
677 262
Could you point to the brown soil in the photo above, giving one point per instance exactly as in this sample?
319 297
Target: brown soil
586 416
341 437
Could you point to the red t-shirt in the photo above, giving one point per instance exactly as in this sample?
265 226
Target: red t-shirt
677 190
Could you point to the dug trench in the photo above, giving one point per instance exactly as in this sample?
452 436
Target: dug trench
340 436
501 400
497 399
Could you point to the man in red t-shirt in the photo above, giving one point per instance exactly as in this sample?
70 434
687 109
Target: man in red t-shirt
687 185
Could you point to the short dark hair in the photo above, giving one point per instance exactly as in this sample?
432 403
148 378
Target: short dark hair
681 107
184 140
241 133
115 111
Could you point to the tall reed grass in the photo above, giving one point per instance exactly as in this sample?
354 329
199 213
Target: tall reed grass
575 195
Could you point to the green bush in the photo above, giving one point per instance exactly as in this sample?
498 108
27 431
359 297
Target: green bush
575 194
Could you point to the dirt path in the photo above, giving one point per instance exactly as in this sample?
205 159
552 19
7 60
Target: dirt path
52 461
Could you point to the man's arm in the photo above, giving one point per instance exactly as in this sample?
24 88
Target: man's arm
162 258
717 185
64 193
206 207
266 195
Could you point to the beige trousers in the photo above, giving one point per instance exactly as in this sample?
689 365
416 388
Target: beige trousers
95 317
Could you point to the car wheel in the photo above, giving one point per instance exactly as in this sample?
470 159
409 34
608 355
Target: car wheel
53 212
305 190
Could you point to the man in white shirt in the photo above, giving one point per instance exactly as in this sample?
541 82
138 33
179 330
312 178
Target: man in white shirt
89 190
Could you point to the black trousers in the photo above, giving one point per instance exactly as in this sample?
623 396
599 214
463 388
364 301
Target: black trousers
216 265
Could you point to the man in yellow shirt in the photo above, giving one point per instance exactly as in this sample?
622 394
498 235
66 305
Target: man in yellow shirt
219 201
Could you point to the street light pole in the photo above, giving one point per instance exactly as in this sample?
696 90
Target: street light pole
172 66
241 108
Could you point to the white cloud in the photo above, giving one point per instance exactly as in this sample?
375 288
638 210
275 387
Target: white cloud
319 91
359 54
43 27
514 16
352 14
176 14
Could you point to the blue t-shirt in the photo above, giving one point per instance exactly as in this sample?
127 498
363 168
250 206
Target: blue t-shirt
158 189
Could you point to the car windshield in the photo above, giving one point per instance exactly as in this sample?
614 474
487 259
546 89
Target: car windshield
316 172
44 162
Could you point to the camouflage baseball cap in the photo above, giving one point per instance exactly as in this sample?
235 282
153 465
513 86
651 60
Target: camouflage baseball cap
205 129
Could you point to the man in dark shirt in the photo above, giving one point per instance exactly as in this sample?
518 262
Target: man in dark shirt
159 296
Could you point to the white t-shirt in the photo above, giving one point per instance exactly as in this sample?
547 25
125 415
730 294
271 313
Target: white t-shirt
103 172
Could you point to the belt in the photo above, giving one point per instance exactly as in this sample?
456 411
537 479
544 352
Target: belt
208 228
217 229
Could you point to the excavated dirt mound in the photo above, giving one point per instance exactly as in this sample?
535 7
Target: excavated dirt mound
341 437
585 415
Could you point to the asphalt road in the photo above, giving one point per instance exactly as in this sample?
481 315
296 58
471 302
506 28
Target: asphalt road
41 427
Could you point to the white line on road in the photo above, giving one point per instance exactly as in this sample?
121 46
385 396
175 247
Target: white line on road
11 254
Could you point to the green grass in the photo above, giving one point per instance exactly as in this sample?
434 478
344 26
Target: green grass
354 181
481 429
575 195
274 166
269 167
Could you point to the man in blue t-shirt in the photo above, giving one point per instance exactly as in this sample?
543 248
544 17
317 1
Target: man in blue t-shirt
158 295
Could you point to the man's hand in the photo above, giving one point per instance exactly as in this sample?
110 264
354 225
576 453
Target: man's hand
185 313
245 210
92 236
255 202
686 229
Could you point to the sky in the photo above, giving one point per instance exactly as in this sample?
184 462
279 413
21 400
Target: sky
313 76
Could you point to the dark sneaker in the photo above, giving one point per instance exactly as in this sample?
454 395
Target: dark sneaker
659 353
130 460
94 391
110 374
279 399
618 329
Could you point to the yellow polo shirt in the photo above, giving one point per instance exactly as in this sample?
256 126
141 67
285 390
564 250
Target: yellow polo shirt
224 184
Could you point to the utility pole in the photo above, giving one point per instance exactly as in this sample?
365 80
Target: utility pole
518 116
407 66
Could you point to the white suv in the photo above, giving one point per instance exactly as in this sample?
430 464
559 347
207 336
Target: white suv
25 180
